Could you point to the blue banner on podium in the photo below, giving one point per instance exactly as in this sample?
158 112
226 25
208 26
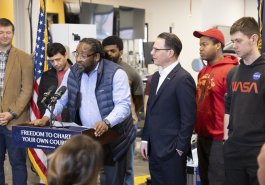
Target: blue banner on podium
44 137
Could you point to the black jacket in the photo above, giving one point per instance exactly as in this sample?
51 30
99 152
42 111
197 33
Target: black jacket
170 114
245 103
48 79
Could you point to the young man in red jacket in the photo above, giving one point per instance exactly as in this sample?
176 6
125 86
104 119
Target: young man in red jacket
211 88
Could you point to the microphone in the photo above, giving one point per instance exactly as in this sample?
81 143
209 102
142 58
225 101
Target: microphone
58 94
48 94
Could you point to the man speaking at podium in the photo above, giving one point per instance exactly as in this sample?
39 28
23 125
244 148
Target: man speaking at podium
98 96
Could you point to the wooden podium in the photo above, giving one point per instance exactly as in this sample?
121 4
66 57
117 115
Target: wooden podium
29 136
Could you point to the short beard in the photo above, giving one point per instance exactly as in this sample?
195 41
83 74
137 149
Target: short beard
112 59
89 68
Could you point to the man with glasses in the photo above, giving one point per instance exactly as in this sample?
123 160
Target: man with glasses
170 114
98 96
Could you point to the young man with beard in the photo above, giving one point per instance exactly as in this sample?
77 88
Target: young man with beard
113 48
211 89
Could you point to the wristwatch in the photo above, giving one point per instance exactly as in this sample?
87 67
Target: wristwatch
14 115
107 123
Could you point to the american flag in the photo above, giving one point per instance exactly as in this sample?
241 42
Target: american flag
261 20
37 156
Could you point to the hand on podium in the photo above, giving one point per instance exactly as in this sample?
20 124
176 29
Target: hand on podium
100 128
102 132
40 122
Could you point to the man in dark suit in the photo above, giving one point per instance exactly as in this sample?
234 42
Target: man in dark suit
170 116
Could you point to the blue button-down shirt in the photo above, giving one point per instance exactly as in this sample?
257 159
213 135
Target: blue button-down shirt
89 111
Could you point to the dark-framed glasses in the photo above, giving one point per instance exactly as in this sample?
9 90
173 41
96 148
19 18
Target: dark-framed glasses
160 49
82 56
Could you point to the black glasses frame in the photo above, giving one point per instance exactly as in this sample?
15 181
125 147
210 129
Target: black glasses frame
161 49
87 56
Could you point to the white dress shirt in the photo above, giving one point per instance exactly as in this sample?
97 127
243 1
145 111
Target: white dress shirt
164 72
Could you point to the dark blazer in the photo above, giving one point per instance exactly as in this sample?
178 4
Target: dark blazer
170 114
49 78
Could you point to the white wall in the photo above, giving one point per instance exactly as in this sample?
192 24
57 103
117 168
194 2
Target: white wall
185 16
22 25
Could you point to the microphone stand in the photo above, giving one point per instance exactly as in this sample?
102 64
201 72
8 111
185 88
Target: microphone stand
52 105
51 110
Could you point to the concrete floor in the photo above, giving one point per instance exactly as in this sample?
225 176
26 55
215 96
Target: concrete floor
140 168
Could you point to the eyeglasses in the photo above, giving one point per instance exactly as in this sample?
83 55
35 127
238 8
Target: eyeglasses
81 55
159 49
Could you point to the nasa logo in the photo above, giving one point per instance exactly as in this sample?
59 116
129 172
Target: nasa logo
256 75
245 87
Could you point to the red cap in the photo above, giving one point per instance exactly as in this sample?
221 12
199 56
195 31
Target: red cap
213 33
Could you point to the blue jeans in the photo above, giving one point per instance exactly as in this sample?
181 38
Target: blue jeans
129 175
113 174
17 158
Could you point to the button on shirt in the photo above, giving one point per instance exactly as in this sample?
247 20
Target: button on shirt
88 110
